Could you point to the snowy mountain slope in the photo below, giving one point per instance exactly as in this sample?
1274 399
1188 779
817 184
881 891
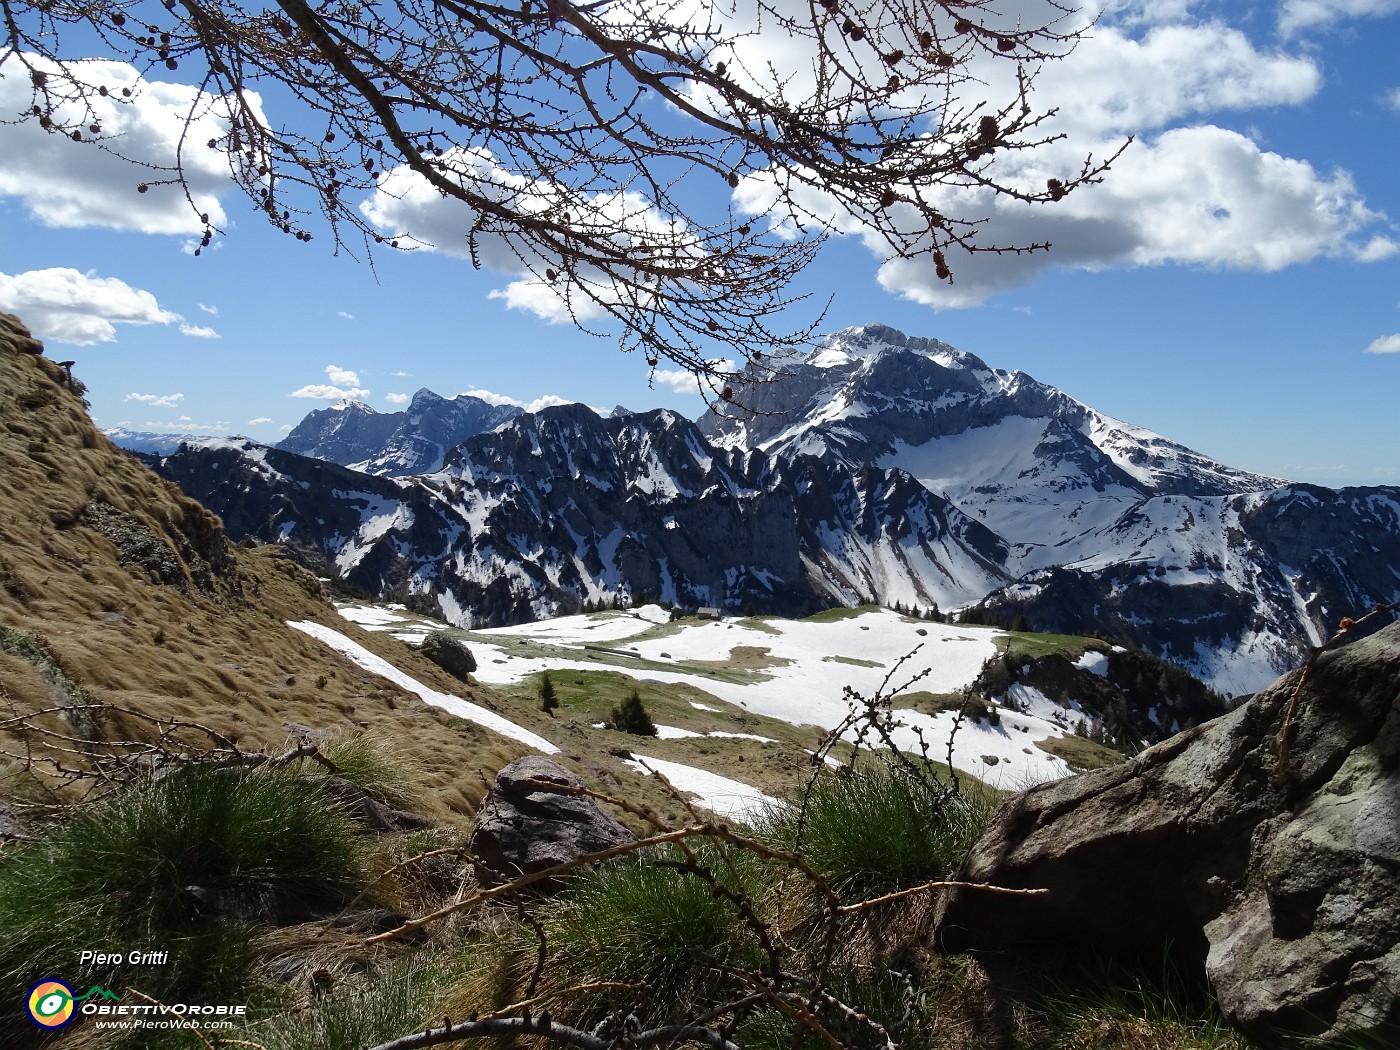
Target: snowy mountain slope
414 441
880 468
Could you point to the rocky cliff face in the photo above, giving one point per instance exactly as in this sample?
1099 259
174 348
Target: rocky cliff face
1274 877
880 468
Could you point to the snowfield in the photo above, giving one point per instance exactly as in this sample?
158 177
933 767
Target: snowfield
799 672
454 704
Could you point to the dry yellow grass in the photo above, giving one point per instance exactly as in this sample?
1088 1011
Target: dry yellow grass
144 604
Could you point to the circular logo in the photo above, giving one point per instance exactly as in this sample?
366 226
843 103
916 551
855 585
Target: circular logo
51 1004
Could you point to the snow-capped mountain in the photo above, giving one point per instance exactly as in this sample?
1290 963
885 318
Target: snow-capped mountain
413 441
146 441
879 468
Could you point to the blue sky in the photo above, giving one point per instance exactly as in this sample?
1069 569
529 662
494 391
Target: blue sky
1234 284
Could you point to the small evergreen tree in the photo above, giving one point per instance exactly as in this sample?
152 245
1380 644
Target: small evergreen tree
631 716
1020 624
548 699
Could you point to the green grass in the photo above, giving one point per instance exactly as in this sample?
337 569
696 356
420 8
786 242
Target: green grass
854 661
646 922
1138 1013
876 997
879 829
1081 754
839 613
116 875
1032 644
378 766
362 1010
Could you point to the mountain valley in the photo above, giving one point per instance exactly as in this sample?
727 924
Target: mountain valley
880 469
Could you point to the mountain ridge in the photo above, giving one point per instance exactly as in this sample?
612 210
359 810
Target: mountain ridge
880 468
414 440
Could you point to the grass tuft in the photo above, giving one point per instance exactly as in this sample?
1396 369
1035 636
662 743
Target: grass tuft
879 829
359 1012
380 767
119 872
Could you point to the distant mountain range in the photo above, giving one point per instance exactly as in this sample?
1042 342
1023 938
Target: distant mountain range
414 441
879 468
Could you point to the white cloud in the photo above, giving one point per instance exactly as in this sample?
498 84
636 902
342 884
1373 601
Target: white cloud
68 184
323 392
195 331
1386 344
1305 14
342 376
343 385
396 399
1392 99
157 400
1201 196
1115 84
542 300
259 421
79 308
401 375
1184 193
213 311
1377 249
406 207
186 425
492 398
684 382
344 316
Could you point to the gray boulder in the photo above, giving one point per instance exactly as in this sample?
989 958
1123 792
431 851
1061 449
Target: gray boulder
1282 888
523 828
449 654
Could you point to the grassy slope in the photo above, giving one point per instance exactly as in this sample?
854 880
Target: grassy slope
146 605
143 602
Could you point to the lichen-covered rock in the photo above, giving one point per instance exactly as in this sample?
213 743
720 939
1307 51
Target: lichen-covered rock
1282 889
522 827
449 654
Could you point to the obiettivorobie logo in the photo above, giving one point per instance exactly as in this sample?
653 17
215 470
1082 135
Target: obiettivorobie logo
52 1003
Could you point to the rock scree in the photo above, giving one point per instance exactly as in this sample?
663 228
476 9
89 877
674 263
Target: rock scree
1281 886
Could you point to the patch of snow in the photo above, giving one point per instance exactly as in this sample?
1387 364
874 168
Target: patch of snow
452 704
729 798
674 732
1094 663
742 736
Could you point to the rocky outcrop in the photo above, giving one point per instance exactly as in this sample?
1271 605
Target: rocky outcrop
1279 884
14 333
523 827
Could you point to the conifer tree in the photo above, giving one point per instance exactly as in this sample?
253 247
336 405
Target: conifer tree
549 700
631 716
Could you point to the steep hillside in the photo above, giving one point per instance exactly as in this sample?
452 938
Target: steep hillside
139 600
